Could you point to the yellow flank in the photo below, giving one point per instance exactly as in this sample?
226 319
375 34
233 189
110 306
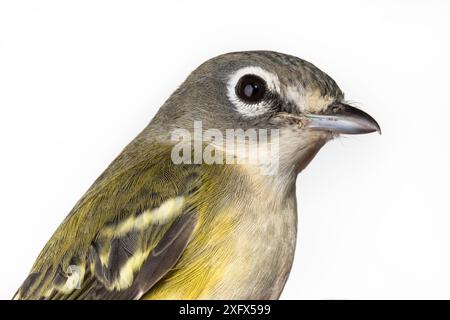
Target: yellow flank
203 263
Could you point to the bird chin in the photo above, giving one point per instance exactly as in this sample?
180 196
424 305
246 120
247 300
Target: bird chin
298 146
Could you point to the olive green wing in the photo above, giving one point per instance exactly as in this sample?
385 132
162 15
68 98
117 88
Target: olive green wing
121 238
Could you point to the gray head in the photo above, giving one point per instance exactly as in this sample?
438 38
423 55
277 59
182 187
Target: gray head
263 90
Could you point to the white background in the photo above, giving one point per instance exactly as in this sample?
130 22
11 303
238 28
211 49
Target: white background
79 79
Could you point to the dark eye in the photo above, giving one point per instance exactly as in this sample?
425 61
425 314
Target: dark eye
251 88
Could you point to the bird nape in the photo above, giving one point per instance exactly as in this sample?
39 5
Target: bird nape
202 203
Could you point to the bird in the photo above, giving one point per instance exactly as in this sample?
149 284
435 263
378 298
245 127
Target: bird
164 221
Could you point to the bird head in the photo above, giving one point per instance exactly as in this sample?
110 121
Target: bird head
265 90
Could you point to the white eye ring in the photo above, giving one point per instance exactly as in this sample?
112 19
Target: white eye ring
253 109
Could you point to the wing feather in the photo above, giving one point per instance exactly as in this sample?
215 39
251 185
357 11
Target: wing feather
146 233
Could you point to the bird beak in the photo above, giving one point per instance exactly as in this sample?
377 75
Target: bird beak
342 118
